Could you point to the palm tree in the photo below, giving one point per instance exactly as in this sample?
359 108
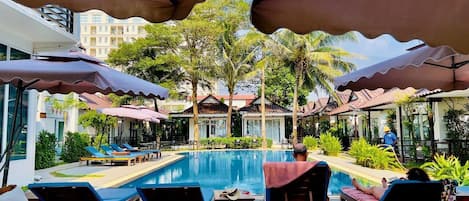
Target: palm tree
236 59
314 61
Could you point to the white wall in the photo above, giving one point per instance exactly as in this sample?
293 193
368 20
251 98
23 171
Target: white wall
22 171
440 109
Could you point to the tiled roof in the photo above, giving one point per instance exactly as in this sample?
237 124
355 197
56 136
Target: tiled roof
247 97
270 107
359 98
95 102
388 97
209 105
319 105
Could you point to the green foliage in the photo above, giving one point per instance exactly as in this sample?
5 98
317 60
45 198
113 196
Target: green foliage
330 144
390 118
450 167
45 150
311 142
324 125
373 156
231 142
279 86
100 122
67 103
98 140
454 123
74 146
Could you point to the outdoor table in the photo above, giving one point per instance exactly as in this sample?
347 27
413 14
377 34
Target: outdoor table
242 197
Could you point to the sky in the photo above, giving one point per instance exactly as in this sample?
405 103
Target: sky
370 51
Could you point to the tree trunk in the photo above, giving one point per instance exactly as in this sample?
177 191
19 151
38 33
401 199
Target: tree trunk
230 111
264 137
195 109
295 104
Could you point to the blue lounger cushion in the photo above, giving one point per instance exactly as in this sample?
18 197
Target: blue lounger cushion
98 154
129 147
109 151
174 192
79 191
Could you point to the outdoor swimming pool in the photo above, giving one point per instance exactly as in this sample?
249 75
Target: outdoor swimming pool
228 169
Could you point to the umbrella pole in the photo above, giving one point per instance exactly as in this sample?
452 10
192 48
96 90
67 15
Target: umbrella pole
14 130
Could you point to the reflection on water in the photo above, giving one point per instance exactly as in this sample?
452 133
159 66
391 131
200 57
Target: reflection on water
227 169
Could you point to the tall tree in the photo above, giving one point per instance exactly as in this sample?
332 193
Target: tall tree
313 59
153 58
199 32
236 63
236 53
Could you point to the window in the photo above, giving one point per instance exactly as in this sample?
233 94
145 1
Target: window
100 51
19 149
93 52
83 18
96 18
110 19
3 55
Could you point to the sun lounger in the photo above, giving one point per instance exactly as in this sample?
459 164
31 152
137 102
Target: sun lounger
139 155
402 190
80 191
174 192
153 151
291 181
98 156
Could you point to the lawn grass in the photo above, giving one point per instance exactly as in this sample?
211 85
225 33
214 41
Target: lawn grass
58 174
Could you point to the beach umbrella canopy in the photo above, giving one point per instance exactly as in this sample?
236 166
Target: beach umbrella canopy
151 10
129 113
75 72
423 67
64 73
434 21
134 112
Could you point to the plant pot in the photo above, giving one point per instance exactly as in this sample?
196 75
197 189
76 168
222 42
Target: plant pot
12 193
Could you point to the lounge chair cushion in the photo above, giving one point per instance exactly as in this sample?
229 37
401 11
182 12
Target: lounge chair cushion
174 192
402 190
354 194
79 191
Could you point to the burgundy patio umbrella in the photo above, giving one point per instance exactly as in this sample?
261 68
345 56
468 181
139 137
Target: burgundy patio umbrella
152 10
423 67
434 21
65 73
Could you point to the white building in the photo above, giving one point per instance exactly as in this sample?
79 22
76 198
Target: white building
24 32
100 33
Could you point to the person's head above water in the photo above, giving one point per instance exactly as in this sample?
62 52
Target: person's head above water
417 174
300 152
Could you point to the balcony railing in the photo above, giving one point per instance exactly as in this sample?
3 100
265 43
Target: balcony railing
59 16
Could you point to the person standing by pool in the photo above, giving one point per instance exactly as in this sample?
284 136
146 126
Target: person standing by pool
390 138
300 153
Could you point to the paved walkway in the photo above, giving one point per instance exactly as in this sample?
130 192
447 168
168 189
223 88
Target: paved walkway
347 164
106 176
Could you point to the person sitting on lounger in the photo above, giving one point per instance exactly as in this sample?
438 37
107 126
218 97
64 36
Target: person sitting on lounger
378 191
300 153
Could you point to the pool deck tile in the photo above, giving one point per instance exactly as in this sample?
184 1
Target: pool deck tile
106 175
347 164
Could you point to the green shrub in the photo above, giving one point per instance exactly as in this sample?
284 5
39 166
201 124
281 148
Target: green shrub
45 150
450 167
269 143
100 139
330 144
373 156
359 150
74 146
310 142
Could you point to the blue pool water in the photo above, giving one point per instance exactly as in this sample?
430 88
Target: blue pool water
228 169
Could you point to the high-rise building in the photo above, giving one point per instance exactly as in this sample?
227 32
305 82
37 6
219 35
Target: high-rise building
100 33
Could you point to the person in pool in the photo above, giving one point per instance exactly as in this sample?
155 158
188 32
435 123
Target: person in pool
378 191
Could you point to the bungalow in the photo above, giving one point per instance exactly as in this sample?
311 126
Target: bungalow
276 119
212 118
25 32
